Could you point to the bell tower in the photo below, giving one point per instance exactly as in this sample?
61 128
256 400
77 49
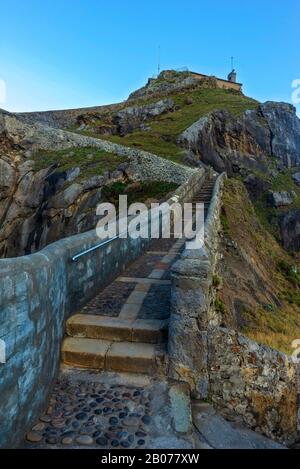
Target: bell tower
232 75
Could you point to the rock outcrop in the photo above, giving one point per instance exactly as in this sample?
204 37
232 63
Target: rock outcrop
38 207
290 230
168 81
132 118
281 199
237 144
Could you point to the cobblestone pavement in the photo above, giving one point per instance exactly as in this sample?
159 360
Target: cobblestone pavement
86 413
92 414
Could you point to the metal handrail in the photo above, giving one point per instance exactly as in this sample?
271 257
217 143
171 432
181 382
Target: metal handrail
97 246
103 243
93 248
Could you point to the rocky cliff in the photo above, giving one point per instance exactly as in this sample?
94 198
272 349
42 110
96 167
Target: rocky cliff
51 182
51 179
246 142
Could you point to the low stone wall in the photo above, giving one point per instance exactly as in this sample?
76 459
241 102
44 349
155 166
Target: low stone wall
142 165
244 380
37 294
254 383
192 305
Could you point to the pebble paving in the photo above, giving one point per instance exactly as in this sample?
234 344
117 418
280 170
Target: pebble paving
93 415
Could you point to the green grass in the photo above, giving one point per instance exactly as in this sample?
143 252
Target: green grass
269 216
165 129
262 271
137 191
220 306
91 161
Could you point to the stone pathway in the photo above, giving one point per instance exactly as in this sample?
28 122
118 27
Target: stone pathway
122 330
92 410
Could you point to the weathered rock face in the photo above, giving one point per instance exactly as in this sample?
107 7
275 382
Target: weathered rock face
284 126
226 143
39 207
290 230
168 81
238 144
256 186
131 118
296 178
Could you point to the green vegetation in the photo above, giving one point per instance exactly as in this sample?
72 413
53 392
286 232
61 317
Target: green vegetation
165 129
91 161
269 216
220 306
216 280
290 272
266 278
137 191
224 223
161 139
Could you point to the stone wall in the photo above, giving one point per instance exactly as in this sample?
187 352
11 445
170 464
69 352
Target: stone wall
37 294
245 381
253 383
143 165
224 84
192 305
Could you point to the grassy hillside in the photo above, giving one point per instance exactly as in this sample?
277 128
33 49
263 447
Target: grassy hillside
91 161
260 286
269 216
164 130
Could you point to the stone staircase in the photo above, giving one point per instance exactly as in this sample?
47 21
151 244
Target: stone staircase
115 345
125 328
205 194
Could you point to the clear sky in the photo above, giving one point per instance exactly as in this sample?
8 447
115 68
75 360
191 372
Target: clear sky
70 53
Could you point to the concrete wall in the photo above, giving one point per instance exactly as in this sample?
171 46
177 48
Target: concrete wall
37 294
246 381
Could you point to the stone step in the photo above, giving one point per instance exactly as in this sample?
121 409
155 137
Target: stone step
90 326
105 355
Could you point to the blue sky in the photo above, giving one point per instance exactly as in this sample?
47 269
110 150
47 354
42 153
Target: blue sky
72 53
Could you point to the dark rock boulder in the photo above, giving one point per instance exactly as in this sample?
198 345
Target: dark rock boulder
296 178
132 118
256 186
290 230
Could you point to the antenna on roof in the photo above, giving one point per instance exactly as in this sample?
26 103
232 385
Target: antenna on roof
232 58
158 66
